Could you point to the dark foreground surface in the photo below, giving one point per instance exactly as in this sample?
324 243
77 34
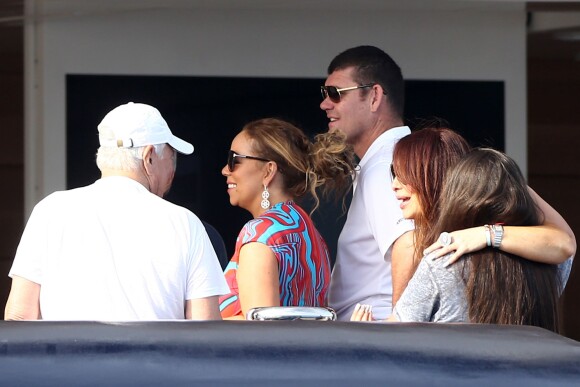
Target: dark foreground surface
283 353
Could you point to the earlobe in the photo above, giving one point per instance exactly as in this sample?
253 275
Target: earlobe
147 167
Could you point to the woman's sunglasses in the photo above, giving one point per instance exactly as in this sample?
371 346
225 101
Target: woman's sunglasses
393 174
233 159
333 92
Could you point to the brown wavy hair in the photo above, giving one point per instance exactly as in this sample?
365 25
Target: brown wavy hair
326 164
487 187
421 161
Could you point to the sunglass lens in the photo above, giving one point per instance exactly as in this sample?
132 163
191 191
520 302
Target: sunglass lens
393 175
333 93
231 161
330 92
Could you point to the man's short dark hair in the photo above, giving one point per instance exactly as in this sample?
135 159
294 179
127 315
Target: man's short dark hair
373 65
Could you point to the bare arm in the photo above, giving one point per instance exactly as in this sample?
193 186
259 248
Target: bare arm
552 242
23 301
402 263
206 308
556 232
257 277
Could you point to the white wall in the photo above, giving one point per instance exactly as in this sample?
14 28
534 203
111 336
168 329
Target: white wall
456 43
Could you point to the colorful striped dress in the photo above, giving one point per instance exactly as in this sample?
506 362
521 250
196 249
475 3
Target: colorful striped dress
302 254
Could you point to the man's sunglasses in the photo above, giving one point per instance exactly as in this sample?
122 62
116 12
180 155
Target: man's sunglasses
233 156
333 92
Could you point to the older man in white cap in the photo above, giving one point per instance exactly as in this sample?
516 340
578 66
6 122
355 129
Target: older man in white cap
115 250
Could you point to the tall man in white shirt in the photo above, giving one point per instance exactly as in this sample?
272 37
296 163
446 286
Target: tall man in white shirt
363 97
115 250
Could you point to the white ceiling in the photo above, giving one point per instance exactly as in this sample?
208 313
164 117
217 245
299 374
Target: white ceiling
11 10
549 21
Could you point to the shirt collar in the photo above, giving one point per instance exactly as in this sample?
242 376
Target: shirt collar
390 136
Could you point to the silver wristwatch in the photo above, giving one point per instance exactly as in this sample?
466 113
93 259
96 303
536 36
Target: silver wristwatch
497 235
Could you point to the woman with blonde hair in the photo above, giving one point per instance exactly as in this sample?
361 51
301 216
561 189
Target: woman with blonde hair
280 258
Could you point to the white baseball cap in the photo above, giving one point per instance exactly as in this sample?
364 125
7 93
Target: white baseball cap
135 125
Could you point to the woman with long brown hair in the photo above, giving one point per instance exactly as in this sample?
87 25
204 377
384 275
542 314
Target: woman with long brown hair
490 285
420 163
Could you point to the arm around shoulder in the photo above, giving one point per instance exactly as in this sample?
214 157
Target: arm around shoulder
552 242
556 230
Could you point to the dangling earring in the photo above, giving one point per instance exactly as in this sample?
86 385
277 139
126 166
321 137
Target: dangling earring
265 195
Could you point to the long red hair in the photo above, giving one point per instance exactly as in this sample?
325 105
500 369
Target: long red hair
421 161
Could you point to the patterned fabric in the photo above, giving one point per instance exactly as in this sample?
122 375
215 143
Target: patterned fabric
302 254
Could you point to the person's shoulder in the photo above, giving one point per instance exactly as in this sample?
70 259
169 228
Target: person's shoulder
63 196
260 222
380 154
391 136
439 269
163 206
270 218
254 230
180 210
273 223
375 177
281 211
437 263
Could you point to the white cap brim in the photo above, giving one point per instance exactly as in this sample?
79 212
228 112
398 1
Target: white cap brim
180 145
